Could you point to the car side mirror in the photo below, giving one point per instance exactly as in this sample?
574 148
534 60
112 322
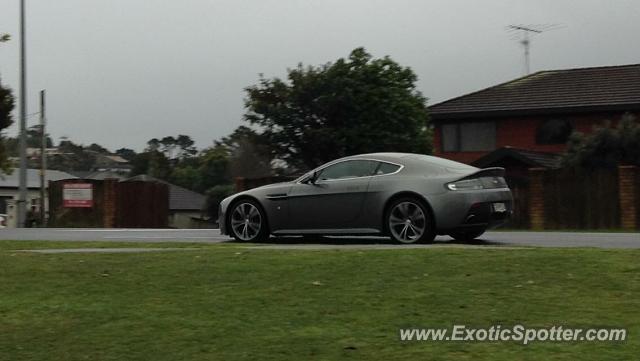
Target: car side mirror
312 179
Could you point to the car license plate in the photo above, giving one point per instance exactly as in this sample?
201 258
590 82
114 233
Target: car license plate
499 207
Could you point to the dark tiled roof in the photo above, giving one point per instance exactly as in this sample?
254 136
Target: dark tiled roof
146 178
184 199
102 175
82 174
609 87
528 157
180 199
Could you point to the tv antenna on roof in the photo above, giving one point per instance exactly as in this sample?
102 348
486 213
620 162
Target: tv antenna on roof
526 31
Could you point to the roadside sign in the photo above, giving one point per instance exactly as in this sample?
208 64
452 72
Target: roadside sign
77 195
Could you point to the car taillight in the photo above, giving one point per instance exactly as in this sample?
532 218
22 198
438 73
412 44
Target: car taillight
477 184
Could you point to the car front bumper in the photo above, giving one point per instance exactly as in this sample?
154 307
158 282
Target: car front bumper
222 223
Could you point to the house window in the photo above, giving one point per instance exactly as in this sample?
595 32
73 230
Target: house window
469 137
554 131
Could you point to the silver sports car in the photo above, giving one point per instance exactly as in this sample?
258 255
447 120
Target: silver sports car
409 197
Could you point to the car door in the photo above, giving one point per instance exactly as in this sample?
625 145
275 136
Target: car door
335 199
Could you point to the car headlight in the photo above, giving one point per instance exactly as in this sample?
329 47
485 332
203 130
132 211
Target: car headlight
477 184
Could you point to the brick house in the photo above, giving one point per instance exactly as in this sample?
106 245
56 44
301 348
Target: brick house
526 122
523 125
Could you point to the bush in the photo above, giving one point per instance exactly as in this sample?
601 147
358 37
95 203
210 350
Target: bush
607 146
215 195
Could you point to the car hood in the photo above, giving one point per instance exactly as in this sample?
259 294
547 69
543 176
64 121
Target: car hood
272 185
263 189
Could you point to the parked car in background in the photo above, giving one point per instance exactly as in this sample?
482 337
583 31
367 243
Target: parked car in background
3 221
409 197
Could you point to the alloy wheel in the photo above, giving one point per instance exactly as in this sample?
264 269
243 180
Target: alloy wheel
407 222
246 221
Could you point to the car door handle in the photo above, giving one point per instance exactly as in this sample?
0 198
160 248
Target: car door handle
277 196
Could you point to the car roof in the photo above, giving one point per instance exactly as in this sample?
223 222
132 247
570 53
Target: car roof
404 158
380 156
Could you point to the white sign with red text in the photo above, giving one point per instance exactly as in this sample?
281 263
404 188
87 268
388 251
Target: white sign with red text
77 195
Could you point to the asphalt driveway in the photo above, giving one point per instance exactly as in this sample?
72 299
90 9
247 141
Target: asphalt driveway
500 238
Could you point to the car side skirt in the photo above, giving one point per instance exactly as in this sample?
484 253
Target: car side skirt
341 231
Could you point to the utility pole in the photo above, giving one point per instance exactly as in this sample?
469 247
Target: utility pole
22 197
43 159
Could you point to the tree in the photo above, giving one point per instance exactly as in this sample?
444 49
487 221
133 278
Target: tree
159 166
7 104
204 171
168 146
94 147
215 195
355 105
214 167
174 148
170 158
34 140
151 162
140 164
248 157
186 146
153 144
606 146
72 157
188 177
126 153
34 137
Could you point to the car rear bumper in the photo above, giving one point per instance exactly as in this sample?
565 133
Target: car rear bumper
488 214
475 209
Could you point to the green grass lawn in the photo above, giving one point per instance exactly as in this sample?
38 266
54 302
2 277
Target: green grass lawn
232 303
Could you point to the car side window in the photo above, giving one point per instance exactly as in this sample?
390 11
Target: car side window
349 169
386 168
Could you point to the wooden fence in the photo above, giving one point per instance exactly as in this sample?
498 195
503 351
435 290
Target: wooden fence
520 190
116 204
90 217
578 199
142 205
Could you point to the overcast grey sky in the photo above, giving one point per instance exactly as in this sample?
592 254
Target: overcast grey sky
119 72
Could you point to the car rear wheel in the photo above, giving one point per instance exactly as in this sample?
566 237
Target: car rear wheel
467 235
247 222
409 221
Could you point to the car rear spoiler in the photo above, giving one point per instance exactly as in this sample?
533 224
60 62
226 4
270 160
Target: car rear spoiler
486 172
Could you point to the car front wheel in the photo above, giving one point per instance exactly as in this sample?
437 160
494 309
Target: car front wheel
409 221
247 222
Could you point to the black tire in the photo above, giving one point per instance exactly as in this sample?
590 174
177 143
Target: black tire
247 221
467 235
404 227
